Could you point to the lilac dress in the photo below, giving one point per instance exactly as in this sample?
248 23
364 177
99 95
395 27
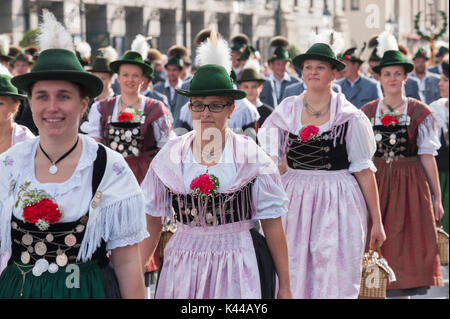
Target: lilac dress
211 254
326 222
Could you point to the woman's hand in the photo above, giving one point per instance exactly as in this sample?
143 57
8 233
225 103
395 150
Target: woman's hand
284 293
438 208
377 236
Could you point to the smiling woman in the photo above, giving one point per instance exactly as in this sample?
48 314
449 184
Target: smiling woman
74 174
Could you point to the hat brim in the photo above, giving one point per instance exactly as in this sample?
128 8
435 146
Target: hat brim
260 81
115 65
409 67
236 94
92 83
16 96
300 59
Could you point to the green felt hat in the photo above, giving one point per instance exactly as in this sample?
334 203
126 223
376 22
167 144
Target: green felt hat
239 41
101 65
176 61
319 51
374 56
59 64
131 57
212 80
393 57
250 75
8 89
421 53
246 52
280 54
24 57
350 55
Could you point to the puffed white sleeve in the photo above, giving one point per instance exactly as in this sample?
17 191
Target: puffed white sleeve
361 145
163 130
92 126
428 136
156 196
269 197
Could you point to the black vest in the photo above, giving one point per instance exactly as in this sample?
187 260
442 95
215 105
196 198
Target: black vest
320 153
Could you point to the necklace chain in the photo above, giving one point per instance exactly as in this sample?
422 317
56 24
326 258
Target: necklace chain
124 106
317 113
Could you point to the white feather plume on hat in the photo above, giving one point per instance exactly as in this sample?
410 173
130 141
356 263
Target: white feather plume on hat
334 39
214 51
4 44
140 45
84 49
4 70
386 42
109 53
52 34
253 63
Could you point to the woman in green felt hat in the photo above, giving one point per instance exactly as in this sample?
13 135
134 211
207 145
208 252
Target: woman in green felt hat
10 133
67 200
407 140
324 145
134 125
219 183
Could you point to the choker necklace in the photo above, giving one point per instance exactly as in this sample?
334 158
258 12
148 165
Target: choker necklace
53 169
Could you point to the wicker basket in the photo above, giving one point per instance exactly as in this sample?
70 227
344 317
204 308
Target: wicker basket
165 236
375 277
442 237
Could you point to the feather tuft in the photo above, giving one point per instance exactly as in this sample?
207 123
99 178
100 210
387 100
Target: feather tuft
109 53
334 39
84 49
220 54
386 42
140 45
253 63
52 34
4 44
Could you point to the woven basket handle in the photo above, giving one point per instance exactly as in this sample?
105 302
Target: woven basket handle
378 250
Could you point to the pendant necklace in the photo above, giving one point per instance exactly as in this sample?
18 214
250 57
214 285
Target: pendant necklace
53 169
317 113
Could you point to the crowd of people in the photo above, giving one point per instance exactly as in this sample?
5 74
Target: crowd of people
269 184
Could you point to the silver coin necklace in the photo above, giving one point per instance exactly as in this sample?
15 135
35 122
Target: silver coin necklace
53 169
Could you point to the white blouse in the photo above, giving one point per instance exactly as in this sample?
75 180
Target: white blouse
360 142
75 194
93 128
270 200
441 112
427 137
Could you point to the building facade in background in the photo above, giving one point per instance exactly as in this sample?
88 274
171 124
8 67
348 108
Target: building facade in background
117 22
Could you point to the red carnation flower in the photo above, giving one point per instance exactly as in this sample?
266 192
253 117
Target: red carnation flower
203 183
347 57
388 119
308 132
45 209
125 116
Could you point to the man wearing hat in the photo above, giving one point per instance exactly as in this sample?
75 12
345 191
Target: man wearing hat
174 66
22 63
442 52
357 88
429 82
274 87
239 43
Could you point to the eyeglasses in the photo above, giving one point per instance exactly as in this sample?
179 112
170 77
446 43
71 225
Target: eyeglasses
214 107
